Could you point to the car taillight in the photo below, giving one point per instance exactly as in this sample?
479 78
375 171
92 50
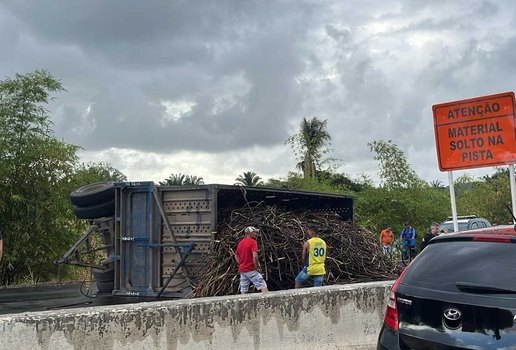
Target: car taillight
391 314
492 239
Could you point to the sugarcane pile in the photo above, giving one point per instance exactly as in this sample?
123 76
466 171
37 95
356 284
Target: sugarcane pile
353 254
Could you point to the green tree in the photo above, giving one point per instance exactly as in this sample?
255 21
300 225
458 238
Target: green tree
403 196
35 213
342 180
37 174
487 197
296 181
395 171
379 207
309 144
463 184
94 172
436 184
249 178
194 180
182 180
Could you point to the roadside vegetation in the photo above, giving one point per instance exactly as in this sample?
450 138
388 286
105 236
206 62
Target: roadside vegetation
38 171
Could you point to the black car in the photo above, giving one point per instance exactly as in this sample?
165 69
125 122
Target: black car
459 293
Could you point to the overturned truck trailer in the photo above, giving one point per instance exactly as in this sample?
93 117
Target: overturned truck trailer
157 236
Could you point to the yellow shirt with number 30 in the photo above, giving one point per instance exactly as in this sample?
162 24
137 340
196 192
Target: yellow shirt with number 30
316 256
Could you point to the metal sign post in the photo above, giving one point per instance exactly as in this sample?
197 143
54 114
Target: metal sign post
513 190
453 203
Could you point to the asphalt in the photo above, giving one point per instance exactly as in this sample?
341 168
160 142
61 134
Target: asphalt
46 297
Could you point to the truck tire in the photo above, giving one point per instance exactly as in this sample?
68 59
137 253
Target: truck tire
105 280
101 210
92 194
105 287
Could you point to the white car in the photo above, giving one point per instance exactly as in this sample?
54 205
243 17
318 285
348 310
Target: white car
467 222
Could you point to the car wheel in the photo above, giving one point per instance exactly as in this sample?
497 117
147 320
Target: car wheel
101 210
92 194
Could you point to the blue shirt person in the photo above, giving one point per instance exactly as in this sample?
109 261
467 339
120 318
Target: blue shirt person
408 236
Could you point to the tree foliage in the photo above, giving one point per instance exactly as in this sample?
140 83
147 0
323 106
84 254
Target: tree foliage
402 197
340 180
395 171
37 173
329 183
182 180
309 144
86 173
437 184
249 178
377 207
32 165
487 197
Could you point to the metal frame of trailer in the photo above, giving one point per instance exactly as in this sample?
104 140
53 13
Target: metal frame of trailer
160 234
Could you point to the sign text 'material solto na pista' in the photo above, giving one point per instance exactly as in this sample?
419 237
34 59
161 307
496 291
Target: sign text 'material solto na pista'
475 132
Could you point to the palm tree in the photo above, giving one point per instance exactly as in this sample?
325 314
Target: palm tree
249 178
311 142
193 180
436 184
181 180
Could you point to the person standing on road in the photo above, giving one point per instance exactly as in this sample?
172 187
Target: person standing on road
246 256
386 239
313 258
408 238
434 232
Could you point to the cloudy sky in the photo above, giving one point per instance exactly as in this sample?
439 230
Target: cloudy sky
214 88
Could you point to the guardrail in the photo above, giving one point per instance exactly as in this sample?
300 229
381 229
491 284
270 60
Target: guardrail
331 317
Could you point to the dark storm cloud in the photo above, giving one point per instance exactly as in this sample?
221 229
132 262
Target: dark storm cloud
150 52
226 76
106 26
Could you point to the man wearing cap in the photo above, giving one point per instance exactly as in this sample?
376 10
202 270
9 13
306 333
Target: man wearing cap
246 256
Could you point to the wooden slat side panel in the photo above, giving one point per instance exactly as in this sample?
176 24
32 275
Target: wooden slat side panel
191 218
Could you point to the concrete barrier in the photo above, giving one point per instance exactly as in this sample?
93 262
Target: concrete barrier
332 317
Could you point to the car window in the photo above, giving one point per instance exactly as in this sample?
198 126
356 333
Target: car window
442 265
449 226
446 226
463 226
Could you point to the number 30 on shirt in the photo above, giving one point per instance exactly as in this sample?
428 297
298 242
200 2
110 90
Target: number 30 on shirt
318 251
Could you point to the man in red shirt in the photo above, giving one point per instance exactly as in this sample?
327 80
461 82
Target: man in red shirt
246 256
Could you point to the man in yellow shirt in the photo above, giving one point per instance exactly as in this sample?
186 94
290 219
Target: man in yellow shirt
313 257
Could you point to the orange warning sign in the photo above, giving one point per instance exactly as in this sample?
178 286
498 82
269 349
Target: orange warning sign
476 132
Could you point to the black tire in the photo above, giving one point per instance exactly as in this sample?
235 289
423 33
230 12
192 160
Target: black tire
93 194
101 210
105 280
105 287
